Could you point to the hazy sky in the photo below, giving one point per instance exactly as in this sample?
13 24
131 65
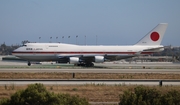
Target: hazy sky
114 22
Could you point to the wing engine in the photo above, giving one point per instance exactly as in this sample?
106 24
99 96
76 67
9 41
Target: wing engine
99 59
73 60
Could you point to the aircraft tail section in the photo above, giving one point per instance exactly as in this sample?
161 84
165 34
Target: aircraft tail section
155 36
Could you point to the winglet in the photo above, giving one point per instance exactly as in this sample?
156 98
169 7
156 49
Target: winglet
155 36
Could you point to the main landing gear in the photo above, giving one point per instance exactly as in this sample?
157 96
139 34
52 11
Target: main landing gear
89 64
29 63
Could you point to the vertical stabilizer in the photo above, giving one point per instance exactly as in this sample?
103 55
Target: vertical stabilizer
155 36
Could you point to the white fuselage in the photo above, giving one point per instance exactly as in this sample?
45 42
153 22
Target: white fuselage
54 51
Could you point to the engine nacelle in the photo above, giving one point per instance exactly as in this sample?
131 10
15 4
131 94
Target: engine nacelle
73 60
99 59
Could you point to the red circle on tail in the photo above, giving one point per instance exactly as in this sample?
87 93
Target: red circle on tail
155 36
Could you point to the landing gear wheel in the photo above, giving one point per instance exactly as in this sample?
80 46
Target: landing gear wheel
29 63
81 64
89 64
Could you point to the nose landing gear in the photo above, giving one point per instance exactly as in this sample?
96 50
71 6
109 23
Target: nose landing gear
29 63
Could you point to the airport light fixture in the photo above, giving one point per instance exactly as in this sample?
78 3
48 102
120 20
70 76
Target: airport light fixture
96 39
50 39
39 39
76 38
56 39
68 38
85 40
62 38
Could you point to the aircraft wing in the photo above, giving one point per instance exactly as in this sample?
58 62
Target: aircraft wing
96 57
155 49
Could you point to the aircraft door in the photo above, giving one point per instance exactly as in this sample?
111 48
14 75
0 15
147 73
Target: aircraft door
34 51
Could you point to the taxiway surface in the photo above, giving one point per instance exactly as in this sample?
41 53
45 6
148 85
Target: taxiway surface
165 67
94 70
145 67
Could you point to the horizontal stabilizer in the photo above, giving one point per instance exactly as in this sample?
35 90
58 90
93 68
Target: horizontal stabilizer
154 49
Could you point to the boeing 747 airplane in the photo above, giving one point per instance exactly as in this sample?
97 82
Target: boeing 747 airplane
83 55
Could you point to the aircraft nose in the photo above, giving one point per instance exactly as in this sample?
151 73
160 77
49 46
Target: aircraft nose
14 51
